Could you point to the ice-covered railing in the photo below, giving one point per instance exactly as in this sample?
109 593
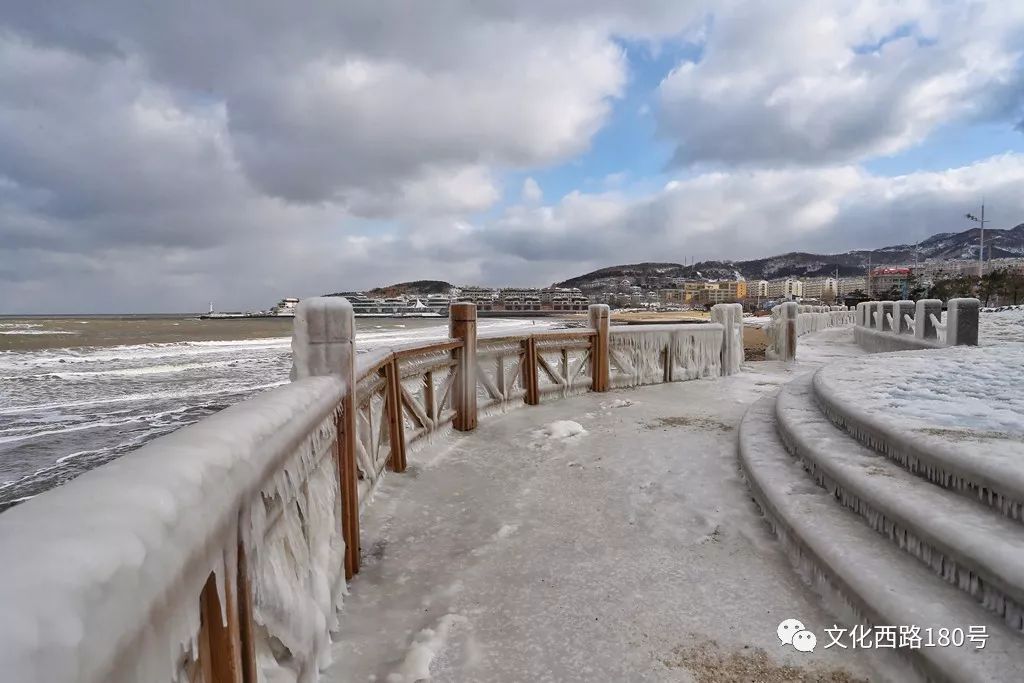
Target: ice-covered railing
790 321
220 553
904 325
188 559
665 353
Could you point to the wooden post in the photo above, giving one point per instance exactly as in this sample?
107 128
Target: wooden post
222 639
462 325
396 425
428 395
789 317
529 365
246 620
323 343
599 368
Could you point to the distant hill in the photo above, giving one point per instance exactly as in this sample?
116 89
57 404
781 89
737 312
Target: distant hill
943 246
414 287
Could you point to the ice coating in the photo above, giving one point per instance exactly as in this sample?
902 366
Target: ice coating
91 593
637 355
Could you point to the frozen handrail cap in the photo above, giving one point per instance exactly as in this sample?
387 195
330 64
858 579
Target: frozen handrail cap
326 319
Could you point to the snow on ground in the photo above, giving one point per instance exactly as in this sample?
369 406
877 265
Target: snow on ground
1000 327
628 551
970 396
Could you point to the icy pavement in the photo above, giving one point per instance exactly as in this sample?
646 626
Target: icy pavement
607 537
966 398
1001 326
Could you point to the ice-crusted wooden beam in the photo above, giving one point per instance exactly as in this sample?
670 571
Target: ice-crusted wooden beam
462 326
600 316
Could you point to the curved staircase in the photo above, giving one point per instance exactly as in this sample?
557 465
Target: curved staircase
905 535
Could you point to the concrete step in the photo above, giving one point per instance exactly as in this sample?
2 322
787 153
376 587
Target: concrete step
996 482
968 544
880 584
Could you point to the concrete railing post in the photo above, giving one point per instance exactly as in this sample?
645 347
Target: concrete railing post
923 326
962 322
462 326
877 317
323 343
730 316
600 318
323 339
790 310
860 314
899 309
886 309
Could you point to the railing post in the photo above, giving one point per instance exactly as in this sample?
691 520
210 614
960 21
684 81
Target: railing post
790 310
886 308
529 369
223 642
599 368
462 326
396 425
923 327
878 317
323 343
730 316
962 322
900 309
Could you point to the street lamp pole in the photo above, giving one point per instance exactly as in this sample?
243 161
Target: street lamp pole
981 250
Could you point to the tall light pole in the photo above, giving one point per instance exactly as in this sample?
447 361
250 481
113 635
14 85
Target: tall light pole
981 250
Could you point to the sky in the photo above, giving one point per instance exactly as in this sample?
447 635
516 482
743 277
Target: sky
155 156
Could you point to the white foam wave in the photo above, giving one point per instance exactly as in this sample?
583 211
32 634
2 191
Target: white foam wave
43 332
132 398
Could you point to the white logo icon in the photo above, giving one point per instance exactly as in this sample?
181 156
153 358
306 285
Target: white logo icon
792 632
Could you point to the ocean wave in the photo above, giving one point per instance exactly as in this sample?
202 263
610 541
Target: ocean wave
153 396
43 332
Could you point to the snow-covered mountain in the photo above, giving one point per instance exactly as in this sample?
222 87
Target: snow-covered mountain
943 246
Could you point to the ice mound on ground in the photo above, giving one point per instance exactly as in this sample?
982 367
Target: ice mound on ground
563 429
425 647
617 403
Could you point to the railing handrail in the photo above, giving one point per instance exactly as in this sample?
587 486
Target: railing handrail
149 525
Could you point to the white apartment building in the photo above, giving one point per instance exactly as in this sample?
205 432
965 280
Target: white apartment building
821 288
788 288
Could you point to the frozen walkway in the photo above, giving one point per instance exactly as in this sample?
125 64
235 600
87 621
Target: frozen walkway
631 552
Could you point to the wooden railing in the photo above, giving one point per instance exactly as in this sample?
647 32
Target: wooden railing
226 545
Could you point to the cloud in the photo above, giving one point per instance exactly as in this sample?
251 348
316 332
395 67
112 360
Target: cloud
531 193
749 214
153 158
811 83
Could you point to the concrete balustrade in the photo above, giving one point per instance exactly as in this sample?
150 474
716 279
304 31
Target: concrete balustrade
791 321
904 325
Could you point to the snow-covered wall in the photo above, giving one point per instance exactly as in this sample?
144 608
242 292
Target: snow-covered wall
101 577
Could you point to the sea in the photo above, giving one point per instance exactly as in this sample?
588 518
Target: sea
77 392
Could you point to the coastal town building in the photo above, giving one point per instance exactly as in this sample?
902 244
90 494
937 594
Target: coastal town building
821 288
887 279
785 288
705 292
